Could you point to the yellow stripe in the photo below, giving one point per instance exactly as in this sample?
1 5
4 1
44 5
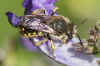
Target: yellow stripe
25 35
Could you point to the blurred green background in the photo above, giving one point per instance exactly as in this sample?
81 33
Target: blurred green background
12 52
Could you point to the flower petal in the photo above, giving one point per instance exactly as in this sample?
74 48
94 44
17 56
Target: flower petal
28 44
31 5
13 19
65 54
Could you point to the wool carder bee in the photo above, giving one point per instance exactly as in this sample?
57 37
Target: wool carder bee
39 25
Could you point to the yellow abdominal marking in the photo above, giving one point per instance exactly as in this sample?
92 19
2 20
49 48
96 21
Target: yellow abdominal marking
25 35
29 34
34 34
40 33
23 29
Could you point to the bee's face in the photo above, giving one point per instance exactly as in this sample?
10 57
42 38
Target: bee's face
59 25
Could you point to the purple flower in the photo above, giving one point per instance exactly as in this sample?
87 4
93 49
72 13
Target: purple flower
31 5
13 19
63 53
28 44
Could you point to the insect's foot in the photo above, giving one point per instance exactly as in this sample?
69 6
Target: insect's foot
52 48
40 42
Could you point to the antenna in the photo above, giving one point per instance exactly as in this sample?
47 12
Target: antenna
82 22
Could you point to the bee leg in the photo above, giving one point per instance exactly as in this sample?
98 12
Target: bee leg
52 47
25 36
64 38
40 42
54 11
37 43
64 41
39 11
51 42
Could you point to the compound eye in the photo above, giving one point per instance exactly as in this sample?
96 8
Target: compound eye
59 25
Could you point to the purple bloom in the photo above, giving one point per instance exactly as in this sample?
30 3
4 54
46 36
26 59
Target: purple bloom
28 44
13 19
31 5
63 53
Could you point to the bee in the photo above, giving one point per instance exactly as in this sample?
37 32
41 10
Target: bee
46 27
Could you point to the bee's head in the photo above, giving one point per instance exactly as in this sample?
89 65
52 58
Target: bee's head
59 25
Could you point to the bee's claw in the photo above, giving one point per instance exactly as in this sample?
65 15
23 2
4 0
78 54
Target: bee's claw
64 41
52 47
40 42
